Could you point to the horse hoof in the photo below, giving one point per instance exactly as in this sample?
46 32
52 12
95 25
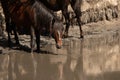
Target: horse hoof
17 44
38 51
10 45
65 36
81 37
1 51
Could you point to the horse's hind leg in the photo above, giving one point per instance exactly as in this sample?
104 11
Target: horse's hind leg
9 38
79 23
8 29
76 7
67 20
7 20
16 38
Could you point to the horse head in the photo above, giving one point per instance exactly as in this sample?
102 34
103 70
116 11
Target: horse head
57 33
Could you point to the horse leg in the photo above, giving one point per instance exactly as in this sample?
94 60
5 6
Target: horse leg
77 9
8 29
7 19
79 24
9 39
32 44
16 38
37 34
67 20
15 33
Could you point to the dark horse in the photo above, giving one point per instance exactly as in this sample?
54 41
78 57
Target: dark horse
31 16
56 5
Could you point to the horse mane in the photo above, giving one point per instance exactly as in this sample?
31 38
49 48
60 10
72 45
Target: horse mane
50 12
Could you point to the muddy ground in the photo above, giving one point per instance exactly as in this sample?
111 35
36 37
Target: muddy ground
97 29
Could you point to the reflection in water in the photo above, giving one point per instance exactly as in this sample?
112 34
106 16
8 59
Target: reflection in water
74 65
102 58
4 61
89 59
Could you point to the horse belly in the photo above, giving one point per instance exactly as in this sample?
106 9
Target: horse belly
22 23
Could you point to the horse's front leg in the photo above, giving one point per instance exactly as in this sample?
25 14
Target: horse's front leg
37 34
67 21
15 33
32 43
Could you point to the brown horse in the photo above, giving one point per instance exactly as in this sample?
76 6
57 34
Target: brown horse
31 16
56 5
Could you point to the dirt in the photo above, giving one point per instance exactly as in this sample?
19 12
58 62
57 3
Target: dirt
97 29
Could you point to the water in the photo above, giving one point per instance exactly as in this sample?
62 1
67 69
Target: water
93 58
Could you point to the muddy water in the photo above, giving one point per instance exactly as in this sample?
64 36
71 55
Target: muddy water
93 58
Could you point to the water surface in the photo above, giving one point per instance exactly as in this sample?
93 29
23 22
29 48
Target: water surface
93 58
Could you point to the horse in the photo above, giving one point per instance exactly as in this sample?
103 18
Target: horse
32 16
56 5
